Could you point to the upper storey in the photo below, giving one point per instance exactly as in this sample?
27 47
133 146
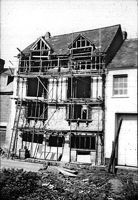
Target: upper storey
79 52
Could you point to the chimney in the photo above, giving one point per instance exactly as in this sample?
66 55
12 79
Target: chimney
124 35
47 35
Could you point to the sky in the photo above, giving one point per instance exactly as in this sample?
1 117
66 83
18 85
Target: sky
23 21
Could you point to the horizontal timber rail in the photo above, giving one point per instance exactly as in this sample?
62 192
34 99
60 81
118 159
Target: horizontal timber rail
94 73
94 62
91 101
50 131
79 67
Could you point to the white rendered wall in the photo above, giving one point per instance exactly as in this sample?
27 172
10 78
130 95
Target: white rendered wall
122 104
12 113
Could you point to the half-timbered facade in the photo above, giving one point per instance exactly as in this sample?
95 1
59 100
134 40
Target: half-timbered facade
60 95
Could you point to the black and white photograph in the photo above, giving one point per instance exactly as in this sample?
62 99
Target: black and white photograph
68 99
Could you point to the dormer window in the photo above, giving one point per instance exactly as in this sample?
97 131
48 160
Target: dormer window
81 45
40 49
81 42
40 44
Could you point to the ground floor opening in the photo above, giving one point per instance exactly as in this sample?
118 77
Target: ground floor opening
66 146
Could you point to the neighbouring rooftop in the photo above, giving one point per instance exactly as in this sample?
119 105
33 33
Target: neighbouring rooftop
127 55
6 80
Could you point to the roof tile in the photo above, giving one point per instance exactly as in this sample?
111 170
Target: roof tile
100 37
126 55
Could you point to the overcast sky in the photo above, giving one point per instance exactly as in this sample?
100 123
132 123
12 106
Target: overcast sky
23 21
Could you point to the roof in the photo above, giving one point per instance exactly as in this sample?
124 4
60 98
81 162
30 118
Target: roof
101 38
6 81
127 55
7 71
7 89
2 62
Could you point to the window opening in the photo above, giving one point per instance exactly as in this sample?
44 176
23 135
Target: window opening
28 137
37 110
81 87
56 141
79 112
81 42
120 84
84 114
83 142
33 85
40 45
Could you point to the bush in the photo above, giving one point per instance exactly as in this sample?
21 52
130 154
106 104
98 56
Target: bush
15 183
21 185
130 190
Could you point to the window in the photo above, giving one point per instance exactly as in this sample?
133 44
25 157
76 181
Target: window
35 87
40 45
120 84
81 45
84 114
2 135
56 141
37 111
83 142
79 112
81 87
81 42
75 112
29 137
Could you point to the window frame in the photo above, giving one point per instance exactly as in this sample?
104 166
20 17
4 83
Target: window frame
81 42
71 108
58 141
30 137
119 88
77 85
37 110
78 144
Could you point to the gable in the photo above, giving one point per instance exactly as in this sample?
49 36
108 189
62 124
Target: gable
80 42
40 44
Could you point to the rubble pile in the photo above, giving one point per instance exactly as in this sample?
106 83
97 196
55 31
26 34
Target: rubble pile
73 182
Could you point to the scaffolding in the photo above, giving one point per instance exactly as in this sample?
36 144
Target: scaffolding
74 67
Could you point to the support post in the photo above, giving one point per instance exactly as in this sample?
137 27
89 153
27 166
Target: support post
112 158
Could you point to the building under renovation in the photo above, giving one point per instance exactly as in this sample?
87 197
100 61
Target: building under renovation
60 95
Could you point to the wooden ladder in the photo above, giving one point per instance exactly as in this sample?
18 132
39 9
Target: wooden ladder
13 142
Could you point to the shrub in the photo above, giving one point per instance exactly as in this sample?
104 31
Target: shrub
15 183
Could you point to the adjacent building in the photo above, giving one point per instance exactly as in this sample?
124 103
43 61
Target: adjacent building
122 103
6 91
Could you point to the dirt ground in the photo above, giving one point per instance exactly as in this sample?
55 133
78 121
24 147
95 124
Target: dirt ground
94 182
19 164
77 181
